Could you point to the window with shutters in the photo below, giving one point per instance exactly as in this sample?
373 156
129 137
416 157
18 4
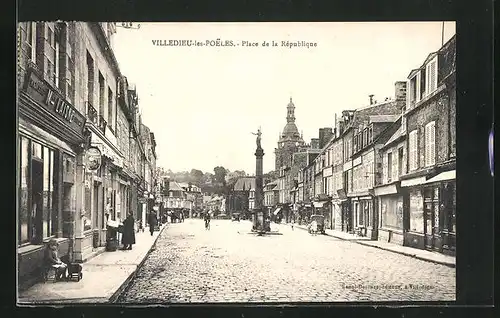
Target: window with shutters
431 73
53 39
400 161
395 167
413 159
430 144
389 167
415 93
384 168
31 40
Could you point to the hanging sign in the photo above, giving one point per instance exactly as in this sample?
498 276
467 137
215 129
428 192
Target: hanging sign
93 159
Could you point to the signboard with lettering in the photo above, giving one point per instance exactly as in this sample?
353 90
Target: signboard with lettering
40 91
93 159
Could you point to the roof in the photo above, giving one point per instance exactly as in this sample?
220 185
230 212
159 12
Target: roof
383 118
174 186
244 184
398 134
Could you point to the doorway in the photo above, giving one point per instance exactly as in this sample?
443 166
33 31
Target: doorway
36 201
431 218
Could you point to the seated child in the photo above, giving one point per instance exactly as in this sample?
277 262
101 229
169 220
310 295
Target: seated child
52 259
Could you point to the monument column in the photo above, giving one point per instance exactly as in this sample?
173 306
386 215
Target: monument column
258 211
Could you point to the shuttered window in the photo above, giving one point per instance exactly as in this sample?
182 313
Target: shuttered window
31 40
430 144
413 159
431 72
389 167
395 167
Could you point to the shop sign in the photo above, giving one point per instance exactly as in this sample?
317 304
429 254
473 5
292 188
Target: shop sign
39 90
93 159
356 161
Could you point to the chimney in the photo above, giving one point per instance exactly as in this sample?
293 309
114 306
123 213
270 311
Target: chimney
315 143
371 98
400 91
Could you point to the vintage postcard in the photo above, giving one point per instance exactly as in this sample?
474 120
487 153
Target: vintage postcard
169 163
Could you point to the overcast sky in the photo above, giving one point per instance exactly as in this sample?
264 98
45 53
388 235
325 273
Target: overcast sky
202 103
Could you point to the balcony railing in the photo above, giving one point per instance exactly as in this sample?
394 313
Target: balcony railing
102 124
92 113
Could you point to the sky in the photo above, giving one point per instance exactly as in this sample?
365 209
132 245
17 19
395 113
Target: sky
203 103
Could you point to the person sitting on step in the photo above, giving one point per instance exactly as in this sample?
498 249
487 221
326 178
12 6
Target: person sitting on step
52 259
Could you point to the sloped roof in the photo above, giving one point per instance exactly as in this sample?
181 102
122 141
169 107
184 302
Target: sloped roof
174 186
244 184
399 133
383 118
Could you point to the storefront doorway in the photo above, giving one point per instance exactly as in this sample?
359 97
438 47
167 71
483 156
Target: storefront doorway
431 218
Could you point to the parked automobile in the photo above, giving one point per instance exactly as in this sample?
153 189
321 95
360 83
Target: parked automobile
320 224
235 217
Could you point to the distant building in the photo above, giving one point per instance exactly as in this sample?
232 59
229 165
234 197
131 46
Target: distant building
237 200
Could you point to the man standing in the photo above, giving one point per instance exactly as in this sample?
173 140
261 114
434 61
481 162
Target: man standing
152 222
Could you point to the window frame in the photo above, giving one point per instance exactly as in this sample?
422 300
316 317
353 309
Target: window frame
431 86
30 39
413 150
430 143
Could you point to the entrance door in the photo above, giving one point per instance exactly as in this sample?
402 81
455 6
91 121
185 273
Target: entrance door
431 218
37 200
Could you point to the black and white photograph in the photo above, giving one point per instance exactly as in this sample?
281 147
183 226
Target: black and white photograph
238 162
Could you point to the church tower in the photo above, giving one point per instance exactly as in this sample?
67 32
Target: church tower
290 140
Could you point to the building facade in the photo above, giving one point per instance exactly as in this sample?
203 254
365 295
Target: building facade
70 99
429 122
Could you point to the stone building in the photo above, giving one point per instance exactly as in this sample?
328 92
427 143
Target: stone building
290 140
429 123
70 99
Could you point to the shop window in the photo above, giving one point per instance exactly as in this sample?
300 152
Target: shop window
416 212
53 212
24 222
36 149
46 194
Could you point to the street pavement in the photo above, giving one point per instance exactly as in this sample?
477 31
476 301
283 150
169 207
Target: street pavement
230 264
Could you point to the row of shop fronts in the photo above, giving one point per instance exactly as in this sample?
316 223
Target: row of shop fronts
418 212
61 194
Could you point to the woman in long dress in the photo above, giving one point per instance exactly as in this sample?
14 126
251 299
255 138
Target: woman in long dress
128 237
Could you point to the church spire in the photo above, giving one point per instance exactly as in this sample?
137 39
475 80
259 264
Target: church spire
290 115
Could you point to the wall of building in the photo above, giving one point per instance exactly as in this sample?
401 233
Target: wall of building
435 109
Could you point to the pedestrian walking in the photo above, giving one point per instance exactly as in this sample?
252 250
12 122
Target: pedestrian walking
128 236
152 220
207 221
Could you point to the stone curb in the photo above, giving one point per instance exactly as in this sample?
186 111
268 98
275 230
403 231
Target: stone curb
389 250
132 275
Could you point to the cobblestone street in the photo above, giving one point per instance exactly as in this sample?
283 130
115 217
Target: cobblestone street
228 264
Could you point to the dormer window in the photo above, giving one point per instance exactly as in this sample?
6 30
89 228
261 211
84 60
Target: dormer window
431 75
415 93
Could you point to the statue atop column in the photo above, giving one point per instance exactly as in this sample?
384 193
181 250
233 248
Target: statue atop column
258 134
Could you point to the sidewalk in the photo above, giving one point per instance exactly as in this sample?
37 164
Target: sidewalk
104 276
405 250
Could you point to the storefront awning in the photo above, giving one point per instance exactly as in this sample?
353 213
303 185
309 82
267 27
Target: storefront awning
386 190
443 176
413 182
319 204
277 211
